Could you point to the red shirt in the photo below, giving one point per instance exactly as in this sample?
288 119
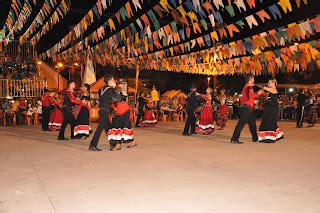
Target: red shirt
248 96
47 100
23 104
72 99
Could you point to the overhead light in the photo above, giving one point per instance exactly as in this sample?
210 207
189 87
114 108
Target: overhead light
76 64
60 64
291 89
296 44
39 62
56 67
209 78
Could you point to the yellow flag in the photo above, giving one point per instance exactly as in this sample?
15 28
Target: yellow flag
214 35
182 11
165 5
111 24
285 5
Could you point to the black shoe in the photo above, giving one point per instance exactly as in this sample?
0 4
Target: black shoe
254 141
193 133
94 149
44 130
63 139
186 134
236 141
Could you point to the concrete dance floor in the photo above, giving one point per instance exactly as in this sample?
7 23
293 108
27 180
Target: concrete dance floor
165 173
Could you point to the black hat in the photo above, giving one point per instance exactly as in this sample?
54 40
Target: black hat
122 81
87 86
107 78
248 77
193 86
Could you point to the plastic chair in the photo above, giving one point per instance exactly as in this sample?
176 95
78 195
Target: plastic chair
2 118
36 119
165 118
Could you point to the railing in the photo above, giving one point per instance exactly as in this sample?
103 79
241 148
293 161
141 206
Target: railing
22 88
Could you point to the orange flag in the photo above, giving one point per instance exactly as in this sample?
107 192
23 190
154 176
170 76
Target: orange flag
232 28
263 15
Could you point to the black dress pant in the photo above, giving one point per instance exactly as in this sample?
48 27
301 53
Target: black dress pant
68 118
140 116
190 123
300 115
246 115
104 124
45 117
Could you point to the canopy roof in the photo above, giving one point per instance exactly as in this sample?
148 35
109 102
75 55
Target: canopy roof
96 86
194 36
175 93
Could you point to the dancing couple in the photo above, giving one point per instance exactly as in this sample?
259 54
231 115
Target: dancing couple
205 123
119 130
269 132
79 127
48 102
306 108
146 116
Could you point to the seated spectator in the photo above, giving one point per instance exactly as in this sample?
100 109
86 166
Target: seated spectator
9 113
39 109
165 110
5 103
22 108
15 106
30 113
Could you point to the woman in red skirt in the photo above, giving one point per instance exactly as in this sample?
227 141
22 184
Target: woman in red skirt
222 113
205 123
121 131
82 130
56 117
149 118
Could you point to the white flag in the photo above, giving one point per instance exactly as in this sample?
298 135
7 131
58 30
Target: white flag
89 74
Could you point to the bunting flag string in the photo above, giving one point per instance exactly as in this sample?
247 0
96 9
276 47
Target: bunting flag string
232 28
255 44
99 33
15 8
43 14
58 15
82 26
214 35
171 29
23 17
288 59
260 42
195 36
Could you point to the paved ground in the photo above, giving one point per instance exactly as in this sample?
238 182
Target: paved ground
165 173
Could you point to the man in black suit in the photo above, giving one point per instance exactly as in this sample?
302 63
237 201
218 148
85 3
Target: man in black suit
141 105
108 95
302 101
192 104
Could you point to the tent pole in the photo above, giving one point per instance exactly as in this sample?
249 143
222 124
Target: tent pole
81 72
215 82
137 82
